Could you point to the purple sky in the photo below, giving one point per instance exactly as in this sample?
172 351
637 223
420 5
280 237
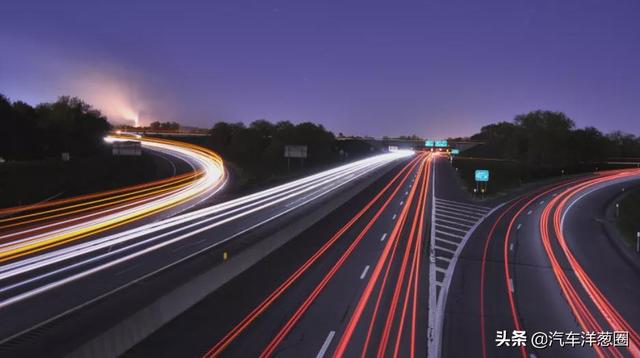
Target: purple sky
432 68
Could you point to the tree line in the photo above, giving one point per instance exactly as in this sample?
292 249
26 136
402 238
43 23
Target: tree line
259 147
547 141
168 126
48 129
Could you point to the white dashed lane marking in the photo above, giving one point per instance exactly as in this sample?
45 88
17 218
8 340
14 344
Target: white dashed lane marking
326 344
364 273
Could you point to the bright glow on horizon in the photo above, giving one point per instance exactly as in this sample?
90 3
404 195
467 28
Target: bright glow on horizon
114 97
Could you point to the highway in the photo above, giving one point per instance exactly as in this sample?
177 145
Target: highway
409 266
354 282
90 270
543 262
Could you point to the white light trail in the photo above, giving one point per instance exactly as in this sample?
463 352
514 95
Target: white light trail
210 182
136 242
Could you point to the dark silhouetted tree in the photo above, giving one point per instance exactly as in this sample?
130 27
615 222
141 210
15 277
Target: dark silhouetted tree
67 125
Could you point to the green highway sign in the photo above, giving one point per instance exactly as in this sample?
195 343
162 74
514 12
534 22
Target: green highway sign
428 143
441 143
482 175
455 151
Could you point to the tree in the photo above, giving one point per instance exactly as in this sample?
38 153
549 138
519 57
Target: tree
156 125
624 144
69 125
410 137
547 136
589 145
8 125
504 138
548 142
259 147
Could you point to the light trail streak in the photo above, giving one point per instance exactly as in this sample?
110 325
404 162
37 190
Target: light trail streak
268 351
585 318
217 349
138 241
139 204
194 219
400 278
604 307
82 200
355 318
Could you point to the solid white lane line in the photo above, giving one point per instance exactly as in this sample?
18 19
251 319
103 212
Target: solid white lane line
457 213
460 210
467 222
384 236
431 305
462 203
461 207
445 249
364 273
466 226
457 202
448 234
451 227
447 241
326 344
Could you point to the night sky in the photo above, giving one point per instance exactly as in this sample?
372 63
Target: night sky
432 68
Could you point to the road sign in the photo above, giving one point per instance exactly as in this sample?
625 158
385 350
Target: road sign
393 148
455 151
428 143
295 151
482 175
441 143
